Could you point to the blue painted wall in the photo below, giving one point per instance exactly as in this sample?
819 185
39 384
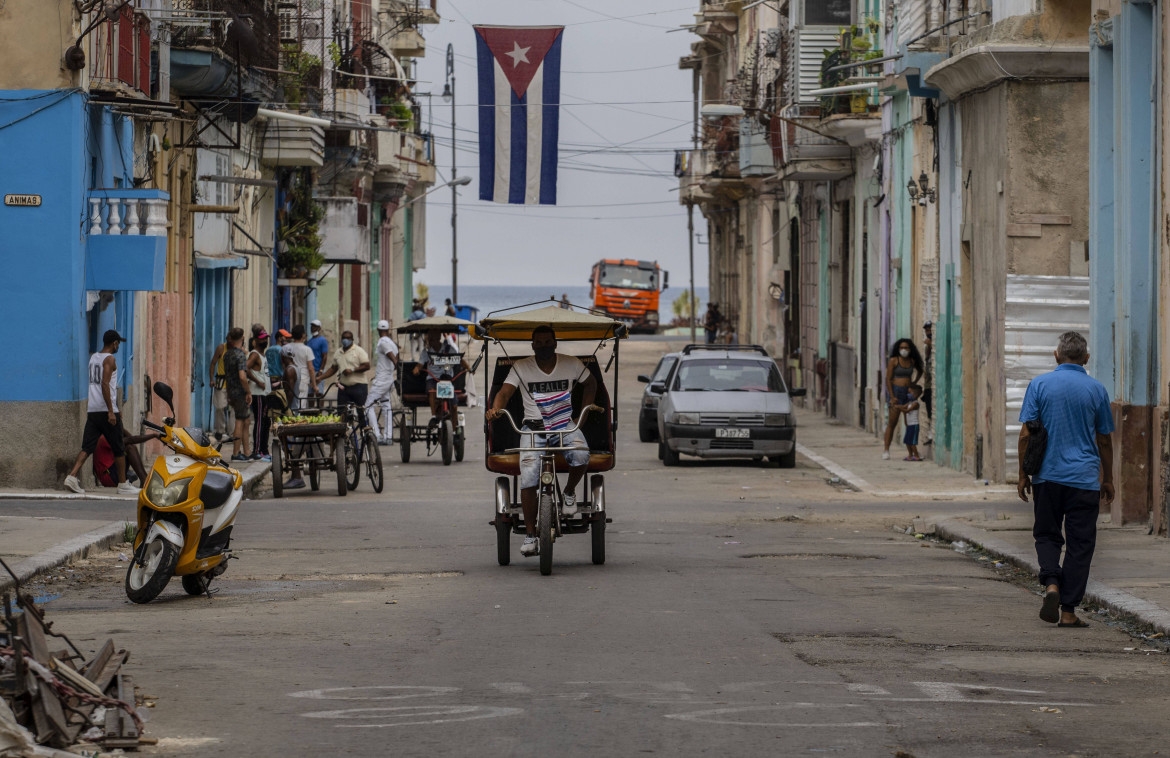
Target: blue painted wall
53 144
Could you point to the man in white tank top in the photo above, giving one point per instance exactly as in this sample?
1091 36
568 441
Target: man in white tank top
103 418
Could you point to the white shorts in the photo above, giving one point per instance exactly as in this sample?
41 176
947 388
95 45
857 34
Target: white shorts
530 460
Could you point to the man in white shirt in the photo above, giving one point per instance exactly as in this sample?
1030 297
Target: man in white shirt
382 390
546 381
103 418
302 358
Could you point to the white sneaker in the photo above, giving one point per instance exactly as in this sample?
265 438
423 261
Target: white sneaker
72 483
126 488
570 504
886 455
530 547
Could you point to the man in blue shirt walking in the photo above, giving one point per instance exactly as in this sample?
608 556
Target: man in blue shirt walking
1075 477
319 346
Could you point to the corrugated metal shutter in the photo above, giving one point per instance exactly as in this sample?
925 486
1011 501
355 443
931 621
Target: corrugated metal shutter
911 20
213 302
1039 310
811 44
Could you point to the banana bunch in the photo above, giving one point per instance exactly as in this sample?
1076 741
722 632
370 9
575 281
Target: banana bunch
325 418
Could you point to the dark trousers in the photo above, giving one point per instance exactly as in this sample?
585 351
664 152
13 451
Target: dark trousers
1065 517
261 424
927 397
355 394
710 336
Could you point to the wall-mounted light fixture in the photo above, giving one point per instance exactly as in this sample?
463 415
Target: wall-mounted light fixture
921 191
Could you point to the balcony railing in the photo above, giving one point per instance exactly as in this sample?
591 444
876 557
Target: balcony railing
802 144
128 211
118 53
210 24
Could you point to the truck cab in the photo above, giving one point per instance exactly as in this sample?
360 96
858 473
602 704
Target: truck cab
628 290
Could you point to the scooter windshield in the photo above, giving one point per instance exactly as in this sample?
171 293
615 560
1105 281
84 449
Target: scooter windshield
198 436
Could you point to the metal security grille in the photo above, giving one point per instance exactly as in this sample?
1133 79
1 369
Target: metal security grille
732 445
723 419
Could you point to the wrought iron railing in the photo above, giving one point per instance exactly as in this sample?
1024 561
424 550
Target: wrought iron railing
245 30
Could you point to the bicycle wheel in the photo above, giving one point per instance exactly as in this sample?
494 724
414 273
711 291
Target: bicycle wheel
446 442
277 471
460 439
545 533
339 458
404 443
353 461
374 461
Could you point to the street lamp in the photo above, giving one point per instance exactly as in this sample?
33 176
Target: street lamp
461 181
449 97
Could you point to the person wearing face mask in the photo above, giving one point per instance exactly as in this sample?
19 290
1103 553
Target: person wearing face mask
903 369
260 379
435 345
546 381
353 364
103 418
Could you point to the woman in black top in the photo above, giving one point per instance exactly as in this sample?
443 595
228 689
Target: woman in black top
903 369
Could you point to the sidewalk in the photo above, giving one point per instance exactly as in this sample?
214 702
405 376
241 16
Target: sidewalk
1131 568
855 456
31 544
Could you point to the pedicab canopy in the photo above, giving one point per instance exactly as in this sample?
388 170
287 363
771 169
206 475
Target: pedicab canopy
569 325
434 324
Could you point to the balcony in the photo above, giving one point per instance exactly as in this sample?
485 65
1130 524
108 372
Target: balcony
345 230
288 144
715 21
408 43
210 25
808 155
406 155
690 166
118 55
126 248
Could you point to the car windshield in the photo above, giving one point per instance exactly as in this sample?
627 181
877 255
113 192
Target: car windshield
630 277
664 367
727 375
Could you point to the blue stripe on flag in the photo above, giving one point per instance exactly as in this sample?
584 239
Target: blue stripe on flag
518 175
551 123
487 120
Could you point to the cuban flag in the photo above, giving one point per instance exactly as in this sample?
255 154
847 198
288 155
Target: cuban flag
519 100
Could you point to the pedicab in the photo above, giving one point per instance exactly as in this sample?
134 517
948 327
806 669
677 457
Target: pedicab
446 430
506 442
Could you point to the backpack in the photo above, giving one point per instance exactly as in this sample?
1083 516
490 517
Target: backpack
103 464
1037 445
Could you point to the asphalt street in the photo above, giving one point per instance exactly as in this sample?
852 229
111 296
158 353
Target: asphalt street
741 610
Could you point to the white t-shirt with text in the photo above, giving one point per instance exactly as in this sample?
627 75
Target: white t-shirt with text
548 396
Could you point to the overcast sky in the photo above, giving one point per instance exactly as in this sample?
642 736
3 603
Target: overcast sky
620 85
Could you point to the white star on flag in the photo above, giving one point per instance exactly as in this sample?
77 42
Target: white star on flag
518 55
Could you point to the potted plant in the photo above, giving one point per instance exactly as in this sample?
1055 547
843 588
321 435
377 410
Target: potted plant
300 249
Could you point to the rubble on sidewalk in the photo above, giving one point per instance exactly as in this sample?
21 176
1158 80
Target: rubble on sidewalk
55 695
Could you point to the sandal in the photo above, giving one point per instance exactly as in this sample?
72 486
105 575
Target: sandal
1050 610
1080 623
909 458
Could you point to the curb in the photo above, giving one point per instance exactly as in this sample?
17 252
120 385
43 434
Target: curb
78 547
861 485
253 477
1097 592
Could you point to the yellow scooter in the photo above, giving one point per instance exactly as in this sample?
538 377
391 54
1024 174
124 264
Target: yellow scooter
185 512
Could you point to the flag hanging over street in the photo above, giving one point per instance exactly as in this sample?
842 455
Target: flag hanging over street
519 112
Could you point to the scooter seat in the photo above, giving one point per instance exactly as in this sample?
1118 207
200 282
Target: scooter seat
217 488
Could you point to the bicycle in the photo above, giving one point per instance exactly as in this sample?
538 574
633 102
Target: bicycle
362 448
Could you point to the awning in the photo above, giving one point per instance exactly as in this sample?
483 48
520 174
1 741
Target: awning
219 260
434 324
568 325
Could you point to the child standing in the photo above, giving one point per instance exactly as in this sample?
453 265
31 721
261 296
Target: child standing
911 411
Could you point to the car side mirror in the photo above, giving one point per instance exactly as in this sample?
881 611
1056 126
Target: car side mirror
798 392
665 280
658 388
643 379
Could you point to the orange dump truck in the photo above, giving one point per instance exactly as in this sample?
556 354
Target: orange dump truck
628 290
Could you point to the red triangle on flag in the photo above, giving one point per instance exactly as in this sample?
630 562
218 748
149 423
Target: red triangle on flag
519 50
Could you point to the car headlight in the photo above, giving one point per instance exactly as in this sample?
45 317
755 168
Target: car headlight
689 419
650 401
164 496
779 419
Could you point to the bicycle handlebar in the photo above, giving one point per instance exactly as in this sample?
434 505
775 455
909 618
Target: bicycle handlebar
568 430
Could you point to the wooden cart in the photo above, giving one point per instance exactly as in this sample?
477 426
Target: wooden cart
312 446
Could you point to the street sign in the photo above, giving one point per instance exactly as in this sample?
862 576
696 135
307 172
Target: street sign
26 200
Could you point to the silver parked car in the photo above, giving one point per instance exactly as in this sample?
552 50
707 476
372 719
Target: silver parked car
726 401
648 415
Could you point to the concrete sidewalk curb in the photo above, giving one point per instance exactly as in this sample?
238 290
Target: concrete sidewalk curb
253 478
67 552
1097 592
861 485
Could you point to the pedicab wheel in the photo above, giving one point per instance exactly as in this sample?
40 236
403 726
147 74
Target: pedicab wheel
314 476
193 584
446 441
374 461
339 466
460 439
353 467
404 442
145 582
597 528
545 524
503 529
277 472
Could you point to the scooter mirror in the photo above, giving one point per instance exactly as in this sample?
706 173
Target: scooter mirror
166 393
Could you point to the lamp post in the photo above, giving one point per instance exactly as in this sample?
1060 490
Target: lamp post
449 96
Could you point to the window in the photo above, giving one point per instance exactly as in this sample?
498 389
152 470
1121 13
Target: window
828 12
727 376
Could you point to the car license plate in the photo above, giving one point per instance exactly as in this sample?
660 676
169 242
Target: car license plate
736 434
445 390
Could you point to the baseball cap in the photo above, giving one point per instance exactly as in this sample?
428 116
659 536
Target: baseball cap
284 333
112 336
314 322
383 324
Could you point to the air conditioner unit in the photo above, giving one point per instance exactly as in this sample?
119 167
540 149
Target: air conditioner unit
311 30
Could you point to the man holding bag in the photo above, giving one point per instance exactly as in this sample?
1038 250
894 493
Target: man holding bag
1074 477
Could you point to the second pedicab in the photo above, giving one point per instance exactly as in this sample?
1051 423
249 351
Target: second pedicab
441 372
